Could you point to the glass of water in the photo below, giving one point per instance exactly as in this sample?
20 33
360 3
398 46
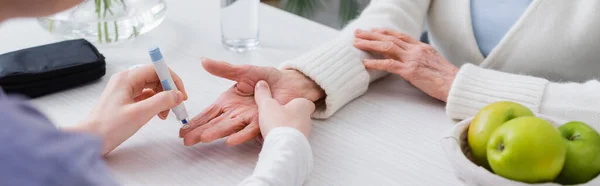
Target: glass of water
239 24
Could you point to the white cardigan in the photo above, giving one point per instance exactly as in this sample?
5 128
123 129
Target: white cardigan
548 61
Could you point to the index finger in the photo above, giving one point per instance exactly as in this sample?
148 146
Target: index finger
179 83
397 34
146 77
377 36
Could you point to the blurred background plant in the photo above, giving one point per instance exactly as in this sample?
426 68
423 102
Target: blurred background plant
333 13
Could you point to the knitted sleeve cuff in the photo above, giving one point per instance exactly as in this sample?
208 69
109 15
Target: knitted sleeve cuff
475 87
337 68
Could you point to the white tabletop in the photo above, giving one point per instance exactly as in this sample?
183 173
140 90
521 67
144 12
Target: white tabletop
389 136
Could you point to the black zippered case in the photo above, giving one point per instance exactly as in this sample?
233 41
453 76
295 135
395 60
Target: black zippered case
46 69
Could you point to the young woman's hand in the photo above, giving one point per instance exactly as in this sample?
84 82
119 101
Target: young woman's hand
295 114
130 100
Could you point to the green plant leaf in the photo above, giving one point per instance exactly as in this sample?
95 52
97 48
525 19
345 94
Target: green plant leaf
116 31
99 32
98 7
102 8
302 8
51 25
349 10
106 7
106 33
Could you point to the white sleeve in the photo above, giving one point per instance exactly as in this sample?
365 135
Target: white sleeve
475 87
337 66
285 159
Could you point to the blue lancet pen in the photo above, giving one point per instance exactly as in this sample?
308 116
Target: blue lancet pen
164 75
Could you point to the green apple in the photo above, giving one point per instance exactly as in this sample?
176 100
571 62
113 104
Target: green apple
582 163
527 149
486 121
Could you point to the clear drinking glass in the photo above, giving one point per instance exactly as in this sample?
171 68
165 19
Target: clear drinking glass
239 24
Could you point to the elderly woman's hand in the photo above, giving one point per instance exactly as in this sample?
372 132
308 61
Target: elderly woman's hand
417 62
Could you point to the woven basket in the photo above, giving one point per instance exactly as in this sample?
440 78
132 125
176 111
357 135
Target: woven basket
458 153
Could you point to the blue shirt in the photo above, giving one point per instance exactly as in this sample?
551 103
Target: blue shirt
34 152
492 19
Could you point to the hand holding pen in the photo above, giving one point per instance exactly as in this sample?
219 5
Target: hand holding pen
130 100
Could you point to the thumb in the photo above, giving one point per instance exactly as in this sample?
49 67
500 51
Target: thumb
159 102
304 106
222 69
262 96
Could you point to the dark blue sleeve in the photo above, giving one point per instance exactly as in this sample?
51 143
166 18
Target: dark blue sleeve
35 152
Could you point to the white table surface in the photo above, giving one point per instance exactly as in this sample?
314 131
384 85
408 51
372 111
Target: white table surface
389 136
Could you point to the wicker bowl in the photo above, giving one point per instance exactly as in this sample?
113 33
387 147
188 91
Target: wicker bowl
459 155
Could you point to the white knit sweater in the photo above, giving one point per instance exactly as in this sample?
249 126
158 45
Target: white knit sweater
548 61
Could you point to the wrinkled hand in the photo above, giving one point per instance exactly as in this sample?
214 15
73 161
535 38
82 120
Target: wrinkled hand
131 98
417 62
235 113
295 114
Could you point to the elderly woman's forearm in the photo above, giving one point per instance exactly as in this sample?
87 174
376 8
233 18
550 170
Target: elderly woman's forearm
573 101
337 66
475 87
